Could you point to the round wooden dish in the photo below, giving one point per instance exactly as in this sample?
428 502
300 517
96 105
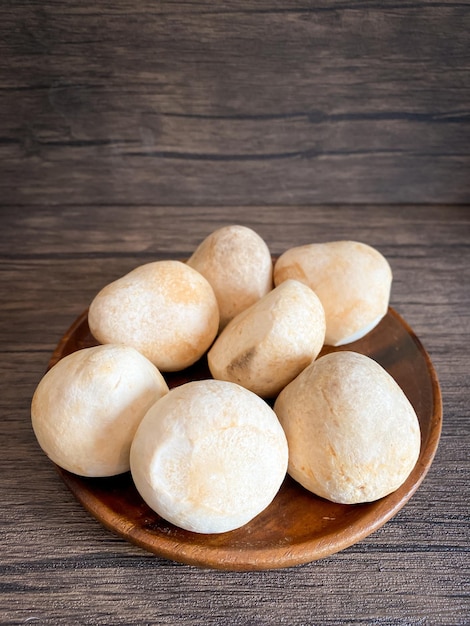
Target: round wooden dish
297 527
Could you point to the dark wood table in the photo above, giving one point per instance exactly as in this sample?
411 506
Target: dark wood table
128 132
59 565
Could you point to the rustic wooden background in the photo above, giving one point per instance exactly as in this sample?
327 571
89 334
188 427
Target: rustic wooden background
252 103
129 131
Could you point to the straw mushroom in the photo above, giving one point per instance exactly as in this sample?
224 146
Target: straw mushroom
87 407
165 309
268 344
237 263
353 435
209 456
352 280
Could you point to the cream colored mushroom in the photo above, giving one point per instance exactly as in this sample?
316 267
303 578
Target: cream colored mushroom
165 309
268 344
352 280
86 408
209 456
353 435
237 263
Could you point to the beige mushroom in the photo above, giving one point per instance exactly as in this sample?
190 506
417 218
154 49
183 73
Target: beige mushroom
237 263
165 309
352 280
268 344
353 435
86 408
209 456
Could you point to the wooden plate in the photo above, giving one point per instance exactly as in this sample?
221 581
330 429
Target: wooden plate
297 527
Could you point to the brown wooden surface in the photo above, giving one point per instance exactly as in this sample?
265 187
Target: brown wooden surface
60 566
128 132
297 527
272 102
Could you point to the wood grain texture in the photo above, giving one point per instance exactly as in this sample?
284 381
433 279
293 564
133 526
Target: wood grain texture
191 103
59 566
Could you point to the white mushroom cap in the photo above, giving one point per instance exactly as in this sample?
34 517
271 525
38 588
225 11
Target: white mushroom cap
165 309
86 408
237 263
209 456
268 344
352 280
353 435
